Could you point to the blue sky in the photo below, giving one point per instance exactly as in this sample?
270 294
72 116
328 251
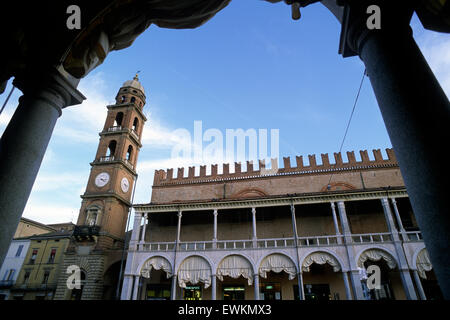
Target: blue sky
251 66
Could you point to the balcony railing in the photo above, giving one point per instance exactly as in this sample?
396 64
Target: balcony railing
128 163
330 240
413 236
115 128
107 159
371 237
134 133
85 232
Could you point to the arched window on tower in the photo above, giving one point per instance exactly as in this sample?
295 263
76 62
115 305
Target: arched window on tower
92 216
123 99
118 120
133 99
129 152
135 124
111 149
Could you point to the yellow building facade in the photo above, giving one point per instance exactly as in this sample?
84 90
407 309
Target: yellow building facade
39 274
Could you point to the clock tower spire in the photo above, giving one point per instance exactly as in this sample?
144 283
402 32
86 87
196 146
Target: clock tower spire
99 235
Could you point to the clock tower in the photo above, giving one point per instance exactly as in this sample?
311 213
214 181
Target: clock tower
99 236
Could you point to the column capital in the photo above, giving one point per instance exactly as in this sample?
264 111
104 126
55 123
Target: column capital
253 210
332 205
394 18
215 212
180 214
53 85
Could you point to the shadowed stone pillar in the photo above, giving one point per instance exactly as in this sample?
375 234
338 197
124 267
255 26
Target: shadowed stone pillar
347 285
254 235
399 220
256 285
180 214
213 287
336 226
419 285
25 140
126 287
137 281
301 291
215 229
403 264
173 293
416 113
354 273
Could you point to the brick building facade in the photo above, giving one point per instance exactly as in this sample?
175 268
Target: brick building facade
265 233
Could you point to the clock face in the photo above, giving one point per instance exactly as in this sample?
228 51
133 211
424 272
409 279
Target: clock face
101 179
125 185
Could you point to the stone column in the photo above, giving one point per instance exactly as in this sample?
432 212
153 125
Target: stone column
144 228
419 286
347 286
354 273
180 214
173 293
301 290
399 220
389 221
213 287
254 236
403 264
126 287
299 274
416 112
25 140
136 230
344 221
137 280
336 226
256 285
215 229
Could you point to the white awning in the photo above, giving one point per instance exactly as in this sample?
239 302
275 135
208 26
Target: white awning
235 266
277 263
376 255
157 263
423 263
320 258
194 270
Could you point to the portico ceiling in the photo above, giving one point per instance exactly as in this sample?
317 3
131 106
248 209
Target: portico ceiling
35 35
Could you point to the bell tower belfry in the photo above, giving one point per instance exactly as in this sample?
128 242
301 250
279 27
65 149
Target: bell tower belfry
99 235
106 201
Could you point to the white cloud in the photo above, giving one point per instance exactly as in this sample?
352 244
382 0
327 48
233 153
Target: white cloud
82 123
436 50
50 213
59 181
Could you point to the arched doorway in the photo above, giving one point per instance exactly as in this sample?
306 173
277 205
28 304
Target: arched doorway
236 275
391 287
156 276
110 281
322 279
278 272
193 272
